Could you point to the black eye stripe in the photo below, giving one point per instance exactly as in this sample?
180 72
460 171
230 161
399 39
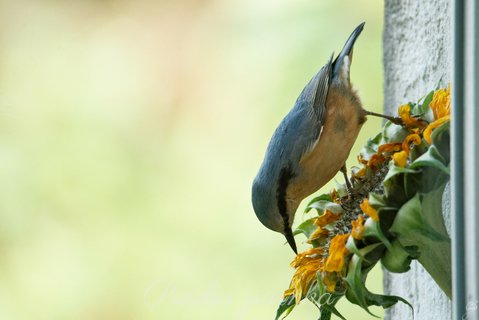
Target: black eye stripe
285 175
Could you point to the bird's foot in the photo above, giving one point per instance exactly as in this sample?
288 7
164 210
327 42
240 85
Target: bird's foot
349 187
395 120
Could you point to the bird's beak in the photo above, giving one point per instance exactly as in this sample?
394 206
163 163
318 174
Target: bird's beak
289 236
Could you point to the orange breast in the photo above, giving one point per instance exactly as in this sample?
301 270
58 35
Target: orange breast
343 121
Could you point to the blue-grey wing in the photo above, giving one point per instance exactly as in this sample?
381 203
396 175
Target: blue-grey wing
296 135
309 112
324 76
301 128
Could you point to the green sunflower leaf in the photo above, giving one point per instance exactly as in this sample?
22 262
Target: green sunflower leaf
410 221
326 311
385 301
371 147
432 158
324 196
394 133
285 307
419 223
424 107
307 228
322 205
441 137
351 246
397 258
395 170
372 229
376 200
356 291
386 218
324 300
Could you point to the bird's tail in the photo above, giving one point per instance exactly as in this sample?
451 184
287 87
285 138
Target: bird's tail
347 50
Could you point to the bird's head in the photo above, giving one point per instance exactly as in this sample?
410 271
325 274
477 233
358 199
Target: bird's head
273 211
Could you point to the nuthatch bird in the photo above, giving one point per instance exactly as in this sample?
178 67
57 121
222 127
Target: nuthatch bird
311 144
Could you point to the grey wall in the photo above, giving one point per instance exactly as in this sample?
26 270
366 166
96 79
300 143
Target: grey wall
417 55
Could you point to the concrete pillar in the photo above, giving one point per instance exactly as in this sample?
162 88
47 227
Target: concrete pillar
417 57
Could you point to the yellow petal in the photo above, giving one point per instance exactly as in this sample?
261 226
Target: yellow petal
326 218
361 159
433 125
369 210
390 147
441 103
376 160
357 228
337 252
334 195
412 138
318 234
288 292
305 275
360 173
404 112
400 158
303 257
329 280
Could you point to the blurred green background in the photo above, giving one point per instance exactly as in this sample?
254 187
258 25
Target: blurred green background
130 133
